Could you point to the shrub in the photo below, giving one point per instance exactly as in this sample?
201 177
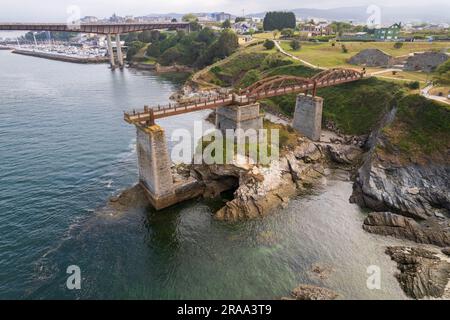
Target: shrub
216 70
344 49
398 45
249 78
269 44
275 60
295 45
413 85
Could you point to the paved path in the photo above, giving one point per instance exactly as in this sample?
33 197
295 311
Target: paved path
425 92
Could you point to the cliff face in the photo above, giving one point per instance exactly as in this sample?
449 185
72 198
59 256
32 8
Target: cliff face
414 190
407 171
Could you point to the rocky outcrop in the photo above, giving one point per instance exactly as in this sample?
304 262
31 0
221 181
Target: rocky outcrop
172 68
426 61
260 189
389 224
343 154
446 251
422 272
372 58
418 191
309 292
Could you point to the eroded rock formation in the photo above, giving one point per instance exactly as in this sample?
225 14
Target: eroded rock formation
390 224
422 272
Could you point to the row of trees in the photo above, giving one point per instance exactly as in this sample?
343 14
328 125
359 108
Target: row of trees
277 20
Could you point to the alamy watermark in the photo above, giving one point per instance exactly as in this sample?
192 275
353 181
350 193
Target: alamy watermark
74 280
373 281
374 19
73 20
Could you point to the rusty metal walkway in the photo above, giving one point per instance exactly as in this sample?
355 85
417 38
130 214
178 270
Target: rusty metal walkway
265 88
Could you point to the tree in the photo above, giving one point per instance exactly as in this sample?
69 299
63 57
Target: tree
145 36
275 33
224 46
443 74
239 19
174 20
170 56
133 49
287 32
269 44
226 24
227 43
206 35
189 17
398 45
154 50
344 49
295 45
413 85
279 20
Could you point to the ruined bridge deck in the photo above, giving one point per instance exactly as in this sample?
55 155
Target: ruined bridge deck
266 88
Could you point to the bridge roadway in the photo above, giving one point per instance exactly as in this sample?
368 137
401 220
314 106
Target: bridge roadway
150 114
98 28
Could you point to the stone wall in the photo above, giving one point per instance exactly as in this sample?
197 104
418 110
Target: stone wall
372 58
427 61
308 116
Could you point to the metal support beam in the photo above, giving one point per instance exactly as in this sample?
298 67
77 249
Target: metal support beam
110 51
119 50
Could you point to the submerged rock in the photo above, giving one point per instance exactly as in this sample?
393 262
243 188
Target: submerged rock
422 272
309 292
390 224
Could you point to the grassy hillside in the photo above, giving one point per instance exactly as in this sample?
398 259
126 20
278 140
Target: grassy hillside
421 128
355 108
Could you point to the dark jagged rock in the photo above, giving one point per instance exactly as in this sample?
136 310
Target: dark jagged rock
422 272
390 224
446 251
417 191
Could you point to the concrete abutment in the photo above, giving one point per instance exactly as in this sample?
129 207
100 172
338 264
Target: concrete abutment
308 116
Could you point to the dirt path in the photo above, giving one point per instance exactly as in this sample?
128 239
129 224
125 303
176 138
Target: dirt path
277 44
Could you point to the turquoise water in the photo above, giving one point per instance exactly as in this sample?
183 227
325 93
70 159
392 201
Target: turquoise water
65 149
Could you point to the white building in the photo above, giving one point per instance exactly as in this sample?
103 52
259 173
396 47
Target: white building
244 27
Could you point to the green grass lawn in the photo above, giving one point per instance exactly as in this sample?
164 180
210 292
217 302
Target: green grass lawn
325 55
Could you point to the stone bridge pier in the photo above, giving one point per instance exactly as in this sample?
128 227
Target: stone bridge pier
239 117
308 116
155 170
112 59
154 165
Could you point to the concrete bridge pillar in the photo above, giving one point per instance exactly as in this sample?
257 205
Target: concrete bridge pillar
119 50
110 51
155 166
308 116
239 117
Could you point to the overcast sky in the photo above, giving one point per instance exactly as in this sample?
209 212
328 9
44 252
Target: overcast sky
56 10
